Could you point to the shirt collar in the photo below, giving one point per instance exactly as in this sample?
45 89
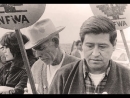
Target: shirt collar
85 68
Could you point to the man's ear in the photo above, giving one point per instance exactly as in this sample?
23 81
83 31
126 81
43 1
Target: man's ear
56 41
114 44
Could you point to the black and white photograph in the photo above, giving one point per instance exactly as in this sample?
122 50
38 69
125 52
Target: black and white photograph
64 49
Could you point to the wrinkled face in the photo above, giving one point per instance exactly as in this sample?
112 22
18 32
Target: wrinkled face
7 53
97 50
46 52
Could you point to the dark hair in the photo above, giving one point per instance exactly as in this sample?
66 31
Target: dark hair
77 42
10 41
97 25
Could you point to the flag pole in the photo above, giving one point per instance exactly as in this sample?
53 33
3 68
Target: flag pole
125 44
26 62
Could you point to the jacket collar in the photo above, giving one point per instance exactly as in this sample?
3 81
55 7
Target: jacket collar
85 68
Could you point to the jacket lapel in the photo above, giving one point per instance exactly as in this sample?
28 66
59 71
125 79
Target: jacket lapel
112 84
76 81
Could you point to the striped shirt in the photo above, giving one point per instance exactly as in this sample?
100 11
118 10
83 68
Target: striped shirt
89 85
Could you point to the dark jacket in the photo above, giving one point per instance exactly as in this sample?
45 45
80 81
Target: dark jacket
13 76
69 80
39 71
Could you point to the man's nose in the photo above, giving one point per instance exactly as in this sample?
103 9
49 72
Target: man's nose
96 51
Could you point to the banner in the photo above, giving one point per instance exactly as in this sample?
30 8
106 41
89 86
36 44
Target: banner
118 13
17 16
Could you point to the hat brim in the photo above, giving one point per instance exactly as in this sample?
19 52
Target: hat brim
30 45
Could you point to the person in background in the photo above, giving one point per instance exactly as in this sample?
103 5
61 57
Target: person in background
13 75
97 73
78 51
73 47
44 39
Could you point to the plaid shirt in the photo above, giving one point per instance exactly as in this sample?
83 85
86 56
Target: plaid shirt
89 85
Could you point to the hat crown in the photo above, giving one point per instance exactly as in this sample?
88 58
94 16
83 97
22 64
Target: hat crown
41 30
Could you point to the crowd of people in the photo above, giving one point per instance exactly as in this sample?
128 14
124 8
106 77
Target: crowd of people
88 69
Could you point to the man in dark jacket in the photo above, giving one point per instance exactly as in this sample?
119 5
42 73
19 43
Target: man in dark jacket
96 73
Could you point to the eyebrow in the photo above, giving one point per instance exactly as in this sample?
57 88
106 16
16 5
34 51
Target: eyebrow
98 43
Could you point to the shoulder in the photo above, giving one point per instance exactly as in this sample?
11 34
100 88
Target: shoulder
37 69
65 70
123 70
74 51
71 57
37 63
37 66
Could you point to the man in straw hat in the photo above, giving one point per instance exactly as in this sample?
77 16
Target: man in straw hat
44 40
96 73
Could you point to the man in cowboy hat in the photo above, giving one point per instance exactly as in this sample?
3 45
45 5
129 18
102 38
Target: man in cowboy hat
44 40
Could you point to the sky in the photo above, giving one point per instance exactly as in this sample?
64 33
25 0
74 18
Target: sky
71 16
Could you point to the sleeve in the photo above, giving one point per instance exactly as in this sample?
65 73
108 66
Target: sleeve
19 88
1 74
56 86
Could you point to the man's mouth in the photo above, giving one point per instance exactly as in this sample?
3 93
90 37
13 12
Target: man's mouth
96 59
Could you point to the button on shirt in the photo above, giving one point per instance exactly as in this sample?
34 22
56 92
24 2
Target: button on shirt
89 84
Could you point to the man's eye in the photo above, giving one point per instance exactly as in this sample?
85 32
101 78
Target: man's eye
90 46
102 47
42 48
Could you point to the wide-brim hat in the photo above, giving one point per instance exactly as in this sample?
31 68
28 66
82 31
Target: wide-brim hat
40 32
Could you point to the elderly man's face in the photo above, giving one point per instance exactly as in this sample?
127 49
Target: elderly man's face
97 50
46 52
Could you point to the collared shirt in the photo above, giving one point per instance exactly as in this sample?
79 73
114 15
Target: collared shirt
51 70
89 85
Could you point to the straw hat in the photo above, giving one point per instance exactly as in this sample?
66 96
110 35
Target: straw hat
40 32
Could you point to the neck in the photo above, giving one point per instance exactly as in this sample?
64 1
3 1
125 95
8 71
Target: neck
58 58
98 70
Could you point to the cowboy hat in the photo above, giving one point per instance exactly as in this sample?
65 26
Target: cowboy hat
40 32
